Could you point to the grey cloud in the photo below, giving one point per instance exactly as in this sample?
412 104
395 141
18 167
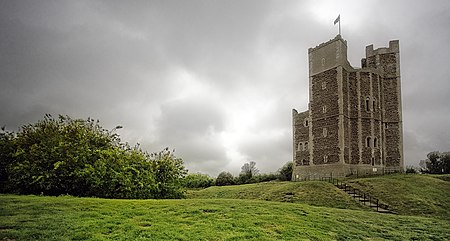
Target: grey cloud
124 63
193 128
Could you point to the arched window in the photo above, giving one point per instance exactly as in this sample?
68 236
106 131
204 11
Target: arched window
300 146
368 140
306 146
306 123
375 142
367 104
374 105
373 161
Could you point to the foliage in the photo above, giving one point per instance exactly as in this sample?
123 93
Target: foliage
411 170
6 157
243 178
80 158
249 169
198 180
285 172
68 218
169 173
437 163
264 177
224 179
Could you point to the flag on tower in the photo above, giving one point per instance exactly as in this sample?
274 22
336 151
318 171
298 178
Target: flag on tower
338 19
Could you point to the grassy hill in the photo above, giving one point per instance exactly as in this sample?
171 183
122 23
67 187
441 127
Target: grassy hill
313 193
69 218
425 195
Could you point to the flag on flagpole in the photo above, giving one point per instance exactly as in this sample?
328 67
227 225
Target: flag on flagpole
338 19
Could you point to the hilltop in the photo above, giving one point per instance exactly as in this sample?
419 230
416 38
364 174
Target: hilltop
314 193
424 195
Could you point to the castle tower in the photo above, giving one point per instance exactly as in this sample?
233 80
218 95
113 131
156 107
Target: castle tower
354 121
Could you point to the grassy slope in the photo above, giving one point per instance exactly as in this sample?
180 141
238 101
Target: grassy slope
424 195
313 193
68 218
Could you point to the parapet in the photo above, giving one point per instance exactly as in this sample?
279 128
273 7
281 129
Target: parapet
394 47
338 37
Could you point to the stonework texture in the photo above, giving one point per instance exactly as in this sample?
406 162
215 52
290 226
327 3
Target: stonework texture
354 122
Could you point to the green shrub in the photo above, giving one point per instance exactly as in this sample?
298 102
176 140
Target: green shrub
264 178
285 172
80 158
198 180
224 179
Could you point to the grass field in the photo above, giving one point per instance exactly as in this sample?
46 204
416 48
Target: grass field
424 195
69 218
263 211
313 193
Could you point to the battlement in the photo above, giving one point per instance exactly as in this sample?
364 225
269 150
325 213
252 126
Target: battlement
393 48
337 38
328 55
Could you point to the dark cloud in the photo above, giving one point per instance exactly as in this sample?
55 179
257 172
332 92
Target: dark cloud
216 80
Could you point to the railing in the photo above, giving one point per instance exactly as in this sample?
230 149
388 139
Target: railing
357 194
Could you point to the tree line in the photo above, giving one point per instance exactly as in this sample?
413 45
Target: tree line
249 174
65 156
78 157
436 163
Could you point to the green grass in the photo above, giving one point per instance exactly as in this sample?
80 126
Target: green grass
313 193
411 194
69 218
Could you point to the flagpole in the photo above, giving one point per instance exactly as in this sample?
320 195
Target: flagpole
338 20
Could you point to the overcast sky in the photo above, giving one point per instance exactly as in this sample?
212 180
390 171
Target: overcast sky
215 80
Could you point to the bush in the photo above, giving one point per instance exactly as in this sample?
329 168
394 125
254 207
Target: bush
80 158
264 178
6 157
285 172
411 170
198 180
224 179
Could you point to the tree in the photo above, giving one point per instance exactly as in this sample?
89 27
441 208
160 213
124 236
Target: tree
250 169
224 179
169 173
436 163
285 172
411 169
198 180
445 158
6 157
80 158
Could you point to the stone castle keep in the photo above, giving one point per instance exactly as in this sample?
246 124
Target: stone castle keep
354 121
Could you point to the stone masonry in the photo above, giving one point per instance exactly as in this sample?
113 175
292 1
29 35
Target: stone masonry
354 121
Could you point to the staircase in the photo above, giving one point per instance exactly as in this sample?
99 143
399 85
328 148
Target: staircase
359 195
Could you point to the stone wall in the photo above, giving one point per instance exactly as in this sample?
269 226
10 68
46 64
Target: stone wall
324 116
355 117
301 124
